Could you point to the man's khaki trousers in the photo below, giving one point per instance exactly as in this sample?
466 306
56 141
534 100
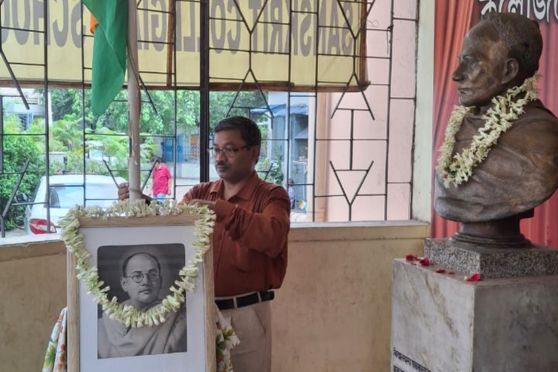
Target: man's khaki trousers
252 325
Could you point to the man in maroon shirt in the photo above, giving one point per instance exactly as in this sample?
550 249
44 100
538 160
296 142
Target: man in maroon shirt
162 180
249 239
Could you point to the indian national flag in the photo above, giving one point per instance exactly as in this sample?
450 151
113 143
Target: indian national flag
109 51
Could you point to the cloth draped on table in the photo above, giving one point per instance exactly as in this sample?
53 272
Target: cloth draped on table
225 341
55 356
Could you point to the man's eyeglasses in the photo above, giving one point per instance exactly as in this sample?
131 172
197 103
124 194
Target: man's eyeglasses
228 151
138 276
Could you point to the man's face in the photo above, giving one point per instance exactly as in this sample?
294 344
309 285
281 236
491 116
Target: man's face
481 67
142 281
234 161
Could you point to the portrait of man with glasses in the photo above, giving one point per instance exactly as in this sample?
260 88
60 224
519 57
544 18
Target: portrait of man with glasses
142 279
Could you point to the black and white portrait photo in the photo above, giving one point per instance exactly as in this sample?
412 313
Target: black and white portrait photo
138 261
140 276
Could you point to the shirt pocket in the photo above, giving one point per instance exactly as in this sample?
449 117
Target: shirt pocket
246 260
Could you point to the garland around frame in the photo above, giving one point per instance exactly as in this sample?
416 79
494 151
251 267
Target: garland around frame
504 110
88 275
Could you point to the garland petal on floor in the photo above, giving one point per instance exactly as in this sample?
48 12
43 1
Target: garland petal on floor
499 118
88 275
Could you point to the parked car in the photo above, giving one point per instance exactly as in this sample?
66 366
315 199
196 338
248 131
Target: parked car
65 192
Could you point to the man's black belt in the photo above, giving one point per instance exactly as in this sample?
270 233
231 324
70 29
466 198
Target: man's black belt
246 300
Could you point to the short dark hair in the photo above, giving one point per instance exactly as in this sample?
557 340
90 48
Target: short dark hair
125 262
249 130
521 36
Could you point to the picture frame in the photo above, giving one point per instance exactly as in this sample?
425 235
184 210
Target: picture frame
109 241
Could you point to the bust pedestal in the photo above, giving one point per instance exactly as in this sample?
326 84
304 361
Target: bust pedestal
507 322
492 263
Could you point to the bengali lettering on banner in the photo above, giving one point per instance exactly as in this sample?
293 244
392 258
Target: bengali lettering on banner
304 43
540 10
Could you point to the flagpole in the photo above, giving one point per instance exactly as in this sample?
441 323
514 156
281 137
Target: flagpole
133 104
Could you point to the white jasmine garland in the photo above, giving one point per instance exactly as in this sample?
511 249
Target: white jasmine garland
88 275
499 118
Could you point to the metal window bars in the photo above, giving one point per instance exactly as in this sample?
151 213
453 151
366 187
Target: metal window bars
319 135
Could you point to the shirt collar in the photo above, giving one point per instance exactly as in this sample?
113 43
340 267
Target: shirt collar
216 187
246 192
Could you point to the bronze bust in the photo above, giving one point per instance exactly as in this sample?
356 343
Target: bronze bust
500 155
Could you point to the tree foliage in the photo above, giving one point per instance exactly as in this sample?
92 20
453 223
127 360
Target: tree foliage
158 109
17 149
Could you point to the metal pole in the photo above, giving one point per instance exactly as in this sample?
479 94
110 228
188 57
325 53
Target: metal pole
11 199
47 117
133 104
204 90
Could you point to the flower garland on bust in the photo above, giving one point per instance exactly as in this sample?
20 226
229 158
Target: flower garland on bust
499 118
126 314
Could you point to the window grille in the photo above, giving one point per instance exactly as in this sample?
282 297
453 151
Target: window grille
339 141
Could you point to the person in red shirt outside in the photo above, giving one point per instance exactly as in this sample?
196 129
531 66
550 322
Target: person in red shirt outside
162 180
249 239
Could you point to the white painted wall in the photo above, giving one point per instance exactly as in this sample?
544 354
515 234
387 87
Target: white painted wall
422 160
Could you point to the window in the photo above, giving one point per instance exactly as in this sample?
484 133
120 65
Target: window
334 99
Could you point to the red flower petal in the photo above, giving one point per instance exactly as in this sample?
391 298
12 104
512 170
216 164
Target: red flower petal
451 272
411 258
440 271
424 261
475 277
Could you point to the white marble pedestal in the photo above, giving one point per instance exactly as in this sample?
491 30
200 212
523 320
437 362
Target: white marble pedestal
441 323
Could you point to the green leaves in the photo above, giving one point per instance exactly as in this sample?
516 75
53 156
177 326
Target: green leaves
17 150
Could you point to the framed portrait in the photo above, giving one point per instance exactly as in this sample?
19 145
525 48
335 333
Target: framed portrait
144 298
